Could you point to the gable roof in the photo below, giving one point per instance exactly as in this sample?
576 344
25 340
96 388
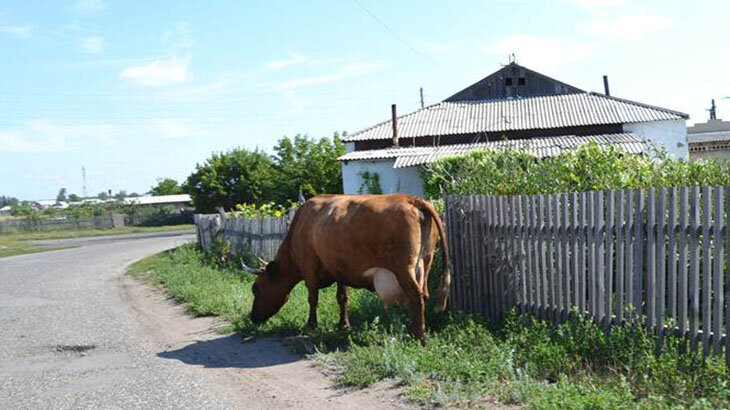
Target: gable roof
539 147
545 112
493 86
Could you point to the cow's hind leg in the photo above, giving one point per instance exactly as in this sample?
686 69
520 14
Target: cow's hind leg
416 303
343 294
313 300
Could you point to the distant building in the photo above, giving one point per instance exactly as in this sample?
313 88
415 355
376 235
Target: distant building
709 139
182 200
531 111
6 210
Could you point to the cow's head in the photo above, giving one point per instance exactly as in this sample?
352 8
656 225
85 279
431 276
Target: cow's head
270 290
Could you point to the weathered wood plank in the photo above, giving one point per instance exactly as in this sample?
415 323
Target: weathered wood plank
599 282
591 262
727 277
651 259
608 244
522 221
672 256
717 268
583 248
682 263
620 254
661 262
694 258
542 265
629 249
706 272
534 251
565 271
639 252
575 240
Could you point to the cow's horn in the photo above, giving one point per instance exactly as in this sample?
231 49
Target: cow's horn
263 262
251 270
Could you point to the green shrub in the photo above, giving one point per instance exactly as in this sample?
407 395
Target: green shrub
588 168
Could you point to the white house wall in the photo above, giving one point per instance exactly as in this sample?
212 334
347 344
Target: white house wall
403 180
672 135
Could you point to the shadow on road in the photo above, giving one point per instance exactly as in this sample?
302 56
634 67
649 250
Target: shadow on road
233 352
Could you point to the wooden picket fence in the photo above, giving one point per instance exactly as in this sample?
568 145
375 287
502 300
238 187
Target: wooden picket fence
258 236
654 252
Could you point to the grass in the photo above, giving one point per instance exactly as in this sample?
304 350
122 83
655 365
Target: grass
21 243
527 362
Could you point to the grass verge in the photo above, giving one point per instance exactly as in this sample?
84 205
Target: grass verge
572 366
22 243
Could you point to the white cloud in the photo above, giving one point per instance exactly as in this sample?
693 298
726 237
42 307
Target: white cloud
89 6
294 59
345 72
16 31
93 45
627 27
158 73
178 39
540 52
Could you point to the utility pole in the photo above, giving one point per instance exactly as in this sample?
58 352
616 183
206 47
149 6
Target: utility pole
83 176
421 97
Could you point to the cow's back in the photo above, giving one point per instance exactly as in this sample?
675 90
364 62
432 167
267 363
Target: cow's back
348 234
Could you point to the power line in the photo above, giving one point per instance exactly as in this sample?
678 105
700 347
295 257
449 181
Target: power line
399 38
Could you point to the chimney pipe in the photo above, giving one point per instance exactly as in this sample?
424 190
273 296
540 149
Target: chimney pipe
395 125
605 85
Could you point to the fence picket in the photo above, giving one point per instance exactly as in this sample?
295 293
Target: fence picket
706 271
575 240
599 284
608 244
565 271
717 282
672 253
639 253
682 263
661 262
620 252
694 294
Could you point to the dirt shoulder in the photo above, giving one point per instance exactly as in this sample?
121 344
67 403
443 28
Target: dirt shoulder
262 371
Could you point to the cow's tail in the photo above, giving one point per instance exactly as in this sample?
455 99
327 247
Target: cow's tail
445 286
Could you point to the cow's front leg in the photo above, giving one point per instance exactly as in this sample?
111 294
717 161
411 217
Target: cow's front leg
313 299
343 294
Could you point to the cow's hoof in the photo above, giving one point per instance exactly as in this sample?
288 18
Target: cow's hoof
310 326
343 326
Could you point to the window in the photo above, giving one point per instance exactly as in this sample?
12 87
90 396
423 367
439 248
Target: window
508 81
521 81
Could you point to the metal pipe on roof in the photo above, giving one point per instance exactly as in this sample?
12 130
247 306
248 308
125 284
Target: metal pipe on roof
395 125
605 85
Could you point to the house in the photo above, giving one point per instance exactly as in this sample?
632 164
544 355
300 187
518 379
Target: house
513 108
6 210
709 139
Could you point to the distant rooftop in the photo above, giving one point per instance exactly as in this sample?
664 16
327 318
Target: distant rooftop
161 199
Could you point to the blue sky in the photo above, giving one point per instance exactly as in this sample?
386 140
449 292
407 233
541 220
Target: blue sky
135 91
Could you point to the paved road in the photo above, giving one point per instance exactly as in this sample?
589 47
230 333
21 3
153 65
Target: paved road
75 333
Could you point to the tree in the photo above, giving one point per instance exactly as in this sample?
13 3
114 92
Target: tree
307 164
166 186
61 197
8 201
120 195
235 177
74 198
103 195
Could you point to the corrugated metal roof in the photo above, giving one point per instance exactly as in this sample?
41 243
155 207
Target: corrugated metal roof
554 111
708 136
539 147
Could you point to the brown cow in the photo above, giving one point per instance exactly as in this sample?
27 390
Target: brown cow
384 243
